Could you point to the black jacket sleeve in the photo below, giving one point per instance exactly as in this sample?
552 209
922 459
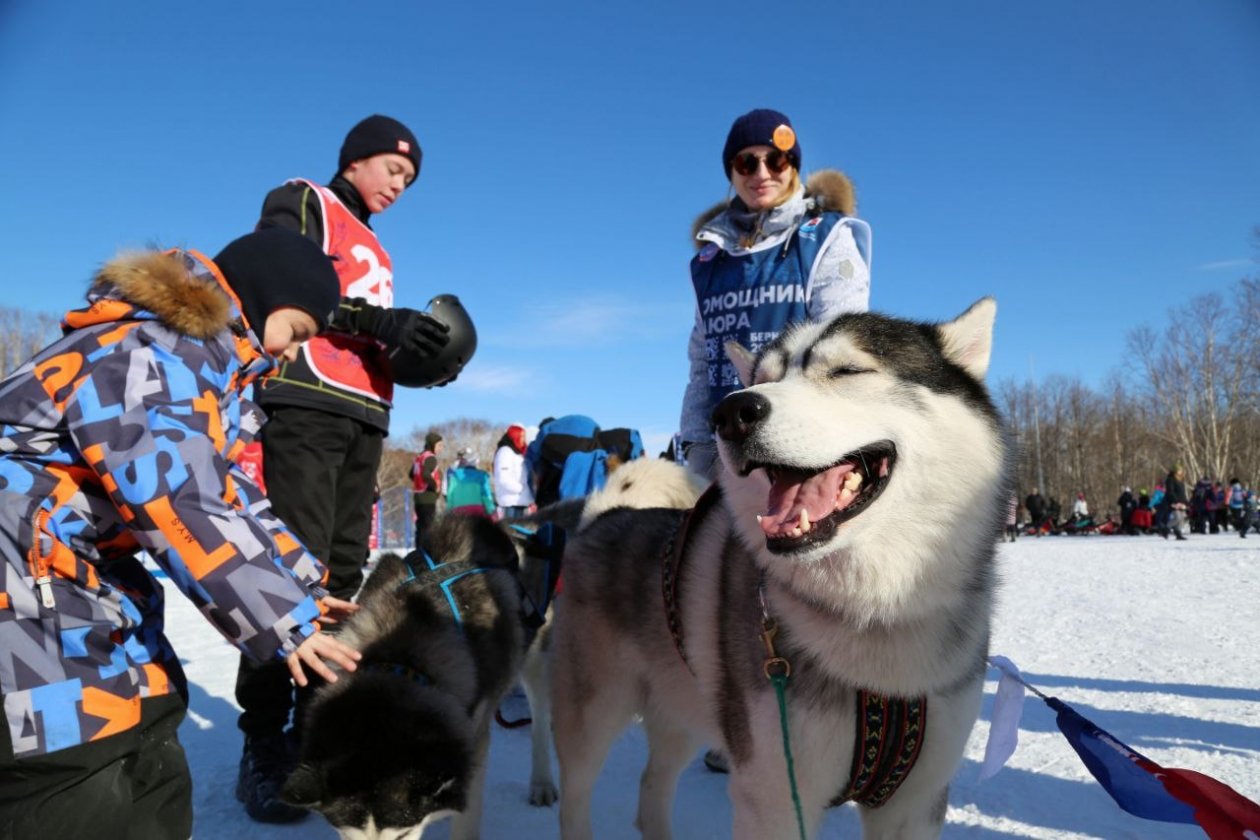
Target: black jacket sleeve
294 206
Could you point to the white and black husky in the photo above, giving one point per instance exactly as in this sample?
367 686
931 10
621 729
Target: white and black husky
845 555
401 742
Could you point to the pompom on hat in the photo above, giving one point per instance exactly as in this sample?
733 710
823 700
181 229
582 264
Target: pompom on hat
761 127
378 135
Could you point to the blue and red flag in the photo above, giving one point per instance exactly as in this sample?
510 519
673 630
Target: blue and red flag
1147 790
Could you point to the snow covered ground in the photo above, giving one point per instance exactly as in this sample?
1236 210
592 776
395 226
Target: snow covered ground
1154 641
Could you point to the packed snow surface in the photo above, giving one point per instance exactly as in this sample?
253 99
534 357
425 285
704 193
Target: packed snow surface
1155 641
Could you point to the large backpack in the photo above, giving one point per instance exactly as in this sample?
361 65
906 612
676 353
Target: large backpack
548 454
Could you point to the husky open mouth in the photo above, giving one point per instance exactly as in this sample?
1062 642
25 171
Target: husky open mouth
806 506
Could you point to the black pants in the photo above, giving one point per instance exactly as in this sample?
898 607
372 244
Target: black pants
426 512
320 470
132 785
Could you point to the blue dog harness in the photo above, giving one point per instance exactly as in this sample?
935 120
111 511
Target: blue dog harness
440 576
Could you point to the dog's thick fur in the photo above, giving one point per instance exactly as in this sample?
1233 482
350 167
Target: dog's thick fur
401 742
641 483
887 590
385 755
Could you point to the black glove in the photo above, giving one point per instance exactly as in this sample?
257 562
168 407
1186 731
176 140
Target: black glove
405 329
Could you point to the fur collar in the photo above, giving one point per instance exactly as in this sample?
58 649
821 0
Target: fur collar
161 283
829 189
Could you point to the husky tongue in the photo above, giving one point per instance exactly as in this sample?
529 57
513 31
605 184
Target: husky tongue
789 495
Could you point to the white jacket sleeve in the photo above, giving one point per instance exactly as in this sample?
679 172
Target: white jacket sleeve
841 278
507 479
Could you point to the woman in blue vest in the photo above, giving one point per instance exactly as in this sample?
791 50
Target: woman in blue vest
779 251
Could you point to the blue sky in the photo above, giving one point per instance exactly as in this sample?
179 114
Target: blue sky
1089 164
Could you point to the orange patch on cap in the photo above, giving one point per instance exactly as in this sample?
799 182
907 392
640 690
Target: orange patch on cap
784 138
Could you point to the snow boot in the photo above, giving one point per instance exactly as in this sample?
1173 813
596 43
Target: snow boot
266 762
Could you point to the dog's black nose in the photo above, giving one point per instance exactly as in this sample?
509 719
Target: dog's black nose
735 416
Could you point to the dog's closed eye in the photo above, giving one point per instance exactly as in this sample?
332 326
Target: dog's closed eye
846 370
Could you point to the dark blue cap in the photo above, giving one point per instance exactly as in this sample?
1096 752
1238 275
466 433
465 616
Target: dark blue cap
758 128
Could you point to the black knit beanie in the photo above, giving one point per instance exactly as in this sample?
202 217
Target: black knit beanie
379 135
761 127
431 440
276 267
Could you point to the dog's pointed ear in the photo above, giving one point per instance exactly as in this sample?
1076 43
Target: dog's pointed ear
743 361
968 339
304 787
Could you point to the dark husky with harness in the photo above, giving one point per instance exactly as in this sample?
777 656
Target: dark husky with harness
401 742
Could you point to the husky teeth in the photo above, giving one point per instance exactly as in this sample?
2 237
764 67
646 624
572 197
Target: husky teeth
804 521
852 481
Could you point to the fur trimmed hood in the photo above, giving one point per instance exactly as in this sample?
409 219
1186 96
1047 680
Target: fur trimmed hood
826 189
166 284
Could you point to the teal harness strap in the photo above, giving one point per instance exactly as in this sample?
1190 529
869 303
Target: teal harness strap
777 671
779 681
453 572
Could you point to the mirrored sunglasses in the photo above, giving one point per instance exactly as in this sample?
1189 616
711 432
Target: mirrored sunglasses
746 163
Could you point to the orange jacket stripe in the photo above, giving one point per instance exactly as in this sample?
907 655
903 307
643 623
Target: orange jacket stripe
121 712
199 562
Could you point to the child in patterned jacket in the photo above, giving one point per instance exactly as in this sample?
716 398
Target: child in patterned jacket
117 439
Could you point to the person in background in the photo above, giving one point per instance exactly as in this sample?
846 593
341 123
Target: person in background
1200 505
1159 510
1053 509
511 479
328 414
1218 508
426 483
119 440
1012 518
1251 518
1127 504
1080 509
798 247
1174 504
1142 514
1035 504
468 488
1237 505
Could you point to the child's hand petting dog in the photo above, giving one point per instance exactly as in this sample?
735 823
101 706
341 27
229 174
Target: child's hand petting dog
337 610
312 653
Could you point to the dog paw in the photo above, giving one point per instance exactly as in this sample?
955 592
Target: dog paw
543 794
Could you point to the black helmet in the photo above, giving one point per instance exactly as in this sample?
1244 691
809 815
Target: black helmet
415 371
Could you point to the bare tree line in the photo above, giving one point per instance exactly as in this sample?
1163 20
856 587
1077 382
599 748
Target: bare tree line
1189 396
22 333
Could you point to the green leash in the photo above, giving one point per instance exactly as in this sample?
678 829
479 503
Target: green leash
777 670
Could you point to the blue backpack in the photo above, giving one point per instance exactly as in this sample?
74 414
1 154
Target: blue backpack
569 456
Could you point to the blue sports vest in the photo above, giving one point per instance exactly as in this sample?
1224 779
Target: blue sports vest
750 298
